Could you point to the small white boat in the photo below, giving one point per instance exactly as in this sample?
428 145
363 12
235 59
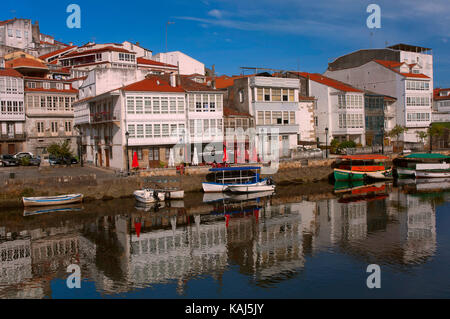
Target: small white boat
147 196
248 196
172 193
251 188
52 200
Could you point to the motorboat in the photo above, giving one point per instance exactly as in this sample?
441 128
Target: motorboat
423 165
52 200
361 167
221 179
148 196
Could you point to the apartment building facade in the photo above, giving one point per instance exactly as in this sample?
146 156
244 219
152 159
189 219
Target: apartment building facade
339 111
49 114
12 112
273 103
403 72
152 112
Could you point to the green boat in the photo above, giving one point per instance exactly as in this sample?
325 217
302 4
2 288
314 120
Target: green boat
361 167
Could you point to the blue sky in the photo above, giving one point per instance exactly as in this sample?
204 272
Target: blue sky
281 34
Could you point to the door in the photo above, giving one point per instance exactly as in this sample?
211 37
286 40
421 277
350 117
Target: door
153 157
285 146
100 161
11 149
107 157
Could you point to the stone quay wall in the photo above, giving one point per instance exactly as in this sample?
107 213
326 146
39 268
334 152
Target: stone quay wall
93 188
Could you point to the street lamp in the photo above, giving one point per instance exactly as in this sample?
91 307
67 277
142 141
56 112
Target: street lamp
127 135
431 138
81 148
326 141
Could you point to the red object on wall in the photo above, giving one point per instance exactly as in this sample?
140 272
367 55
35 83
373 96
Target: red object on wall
225 157
137 226
135 161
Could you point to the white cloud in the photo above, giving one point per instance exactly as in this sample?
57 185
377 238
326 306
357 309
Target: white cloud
215 13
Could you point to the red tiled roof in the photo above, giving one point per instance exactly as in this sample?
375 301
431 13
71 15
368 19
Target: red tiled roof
108 48
319 78
415 75
7 21
188 84
25 62
155 63
225 81
389 64
227 111
392 65
152 84
10 72
57 52
437 97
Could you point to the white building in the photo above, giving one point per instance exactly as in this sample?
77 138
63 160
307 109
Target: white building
187 64
401 71
12 112
17 33
273 102
441 106
149 110
339 111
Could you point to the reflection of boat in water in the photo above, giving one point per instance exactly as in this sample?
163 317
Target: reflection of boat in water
214 197
361 167
147 207
52 200
248 196
424 184
360 191
53 209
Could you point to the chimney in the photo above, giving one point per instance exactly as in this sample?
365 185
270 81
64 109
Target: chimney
173 80
213 82
71 43
138 44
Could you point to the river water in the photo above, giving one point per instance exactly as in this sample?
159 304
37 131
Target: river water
292 244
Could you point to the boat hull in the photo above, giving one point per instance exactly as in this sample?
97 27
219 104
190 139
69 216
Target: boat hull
251 188
432 174
405 172
347 175
147 197
219 188
52 200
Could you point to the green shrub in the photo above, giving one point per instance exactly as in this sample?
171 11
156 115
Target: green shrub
347 144
25 161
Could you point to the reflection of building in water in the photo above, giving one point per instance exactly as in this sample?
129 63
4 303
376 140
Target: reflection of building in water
164 252
29 261
418 225
399 230
272 244
340 221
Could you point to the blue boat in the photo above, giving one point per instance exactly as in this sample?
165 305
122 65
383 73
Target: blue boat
52 200
220 179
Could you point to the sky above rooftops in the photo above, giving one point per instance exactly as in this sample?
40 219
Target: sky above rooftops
282 34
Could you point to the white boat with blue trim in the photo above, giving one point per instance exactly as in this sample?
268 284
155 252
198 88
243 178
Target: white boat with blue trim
52 200
226 178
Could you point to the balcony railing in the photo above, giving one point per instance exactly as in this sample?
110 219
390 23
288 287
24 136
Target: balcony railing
10 137
102 117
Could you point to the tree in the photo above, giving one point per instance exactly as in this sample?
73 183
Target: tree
60 150
436 130
397 131
421 135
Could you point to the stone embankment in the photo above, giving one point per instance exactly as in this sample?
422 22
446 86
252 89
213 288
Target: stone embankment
94 188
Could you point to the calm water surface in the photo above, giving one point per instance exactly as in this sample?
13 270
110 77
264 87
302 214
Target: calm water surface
288 245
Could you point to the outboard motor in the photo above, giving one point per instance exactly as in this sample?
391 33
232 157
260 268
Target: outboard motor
155 195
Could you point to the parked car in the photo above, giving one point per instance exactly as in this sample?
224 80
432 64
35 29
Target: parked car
8 160
32 161
66 160
23 154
